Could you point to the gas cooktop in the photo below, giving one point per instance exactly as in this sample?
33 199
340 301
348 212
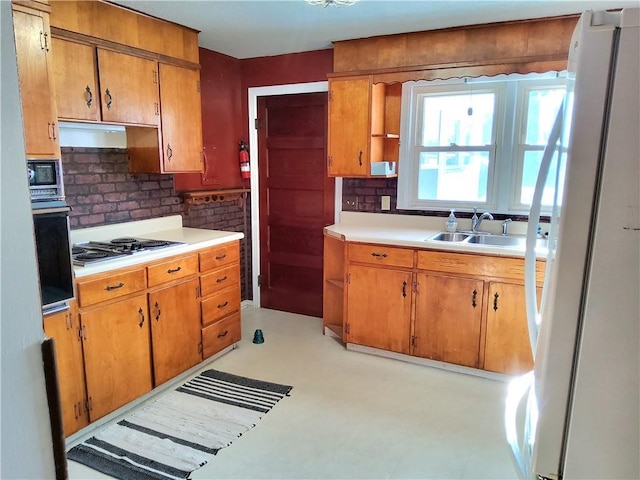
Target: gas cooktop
91 252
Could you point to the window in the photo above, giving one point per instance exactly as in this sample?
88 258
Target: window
476 143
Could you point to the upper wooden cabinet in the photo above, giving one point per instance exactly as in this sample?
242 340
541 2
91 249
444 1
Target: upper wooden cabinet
364 127
33 50
181 119
76 80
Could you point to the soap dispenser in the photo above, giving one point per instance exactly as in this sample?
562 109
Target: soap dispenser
451 223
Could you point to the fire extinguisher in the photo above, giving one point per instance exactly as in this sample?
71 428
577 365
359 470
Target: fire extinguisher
243 156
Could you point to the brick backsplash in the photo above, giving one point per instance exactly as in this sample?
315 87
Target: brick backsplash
100 191
369 190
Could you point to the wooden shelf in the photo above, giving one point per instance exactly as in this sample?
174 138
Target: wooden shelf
238 195
336 283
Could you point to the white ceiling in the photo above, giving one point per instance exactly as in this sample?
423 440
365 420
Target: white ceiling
258 28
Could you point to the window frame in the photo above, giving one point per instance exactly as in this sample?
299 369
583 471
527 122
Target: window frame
504 166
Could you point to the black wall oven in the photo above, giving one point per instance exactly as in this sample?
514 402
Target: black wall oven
51 231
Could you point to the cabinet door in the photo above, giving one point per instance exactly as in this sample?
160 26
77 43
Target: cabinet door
128 88
507 348
117 354
379 308
175 330
448 318
181 119
349 127
74 73
33 46
64 328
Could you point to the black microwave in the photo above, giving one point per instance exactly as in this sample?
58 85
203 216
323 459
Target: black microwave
45 180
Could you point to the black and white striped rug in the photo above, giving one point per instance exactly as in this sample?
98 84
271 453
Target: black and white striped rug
182 430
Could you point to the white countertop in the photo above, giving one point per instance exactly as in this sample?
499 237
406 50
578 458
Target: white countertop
164 228
415 231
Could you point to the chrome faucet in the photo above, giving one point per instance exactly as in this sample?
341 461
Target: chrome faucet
505 225
476 221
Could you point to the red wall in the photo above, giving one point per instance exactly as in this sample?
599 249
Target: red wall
225 81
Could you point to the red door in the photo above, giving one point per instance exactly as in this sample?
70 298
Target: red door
296 200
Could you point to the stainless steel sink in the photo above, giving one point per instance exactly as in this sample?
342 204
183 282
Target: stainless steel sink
449 237
483 238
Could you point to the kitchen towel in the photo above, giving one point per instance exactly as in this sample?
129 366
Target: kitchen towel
181 430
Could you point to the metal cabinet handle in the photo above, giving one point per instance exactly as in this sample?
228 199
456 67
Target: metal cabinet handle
114 287
158 311
141 313
223 305
404 289
221 257
109 98
174 270
221 335
495 301
169 152
379 255
89 96
220 280
360 158
473 298
53 130
46 42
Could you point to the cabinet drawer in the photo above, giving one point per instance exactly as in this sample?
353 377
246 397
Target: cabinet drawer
381 255
220 335
219 255
477 265
220 304
173 269
98 289
220 279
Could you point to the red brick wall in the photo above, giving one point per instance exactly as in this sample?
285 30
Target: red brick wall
100 191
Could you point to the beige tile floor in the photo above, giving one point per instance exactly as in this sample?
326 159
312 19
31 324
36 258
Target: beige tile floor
355 416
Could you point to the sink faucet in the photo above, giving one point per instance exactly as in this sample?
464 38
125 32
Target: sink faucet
505 225
476 221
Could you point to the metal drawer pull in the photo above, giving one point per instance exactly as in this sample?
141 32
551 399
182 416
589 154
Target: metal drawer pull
221 257
141 313
109 98
473 298
219 280
223 305
89 97
114 287
220 335
379 255
174 270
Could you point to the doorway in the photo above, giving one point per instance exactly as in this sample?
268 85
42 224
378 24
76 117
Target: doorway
296 200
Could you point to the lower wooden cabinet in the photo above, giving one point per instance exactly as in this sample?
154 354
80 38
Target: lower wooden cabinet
64 328
379 308
117 354
219 335
175 329
448 319
507 347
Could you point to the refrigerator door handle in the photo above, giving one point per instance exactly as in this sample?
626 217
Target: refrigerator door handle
531 300
518 389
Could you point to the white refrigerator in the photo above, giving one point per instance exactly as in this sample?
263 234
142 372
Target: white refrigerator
581 403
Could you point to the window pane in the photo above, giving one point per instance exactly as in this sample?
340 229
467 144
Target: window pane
530 170
543 107
457 176
461 119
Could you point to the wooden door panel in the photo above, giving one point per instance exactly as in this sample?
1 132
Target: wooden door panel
75 78
117 354
132 84
175 330
447 325
296 201
379 308
36 84
64 327
508 349
181 119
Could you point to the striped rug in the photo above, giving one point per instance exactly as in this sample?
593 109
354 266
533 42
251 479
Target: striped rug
182 429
